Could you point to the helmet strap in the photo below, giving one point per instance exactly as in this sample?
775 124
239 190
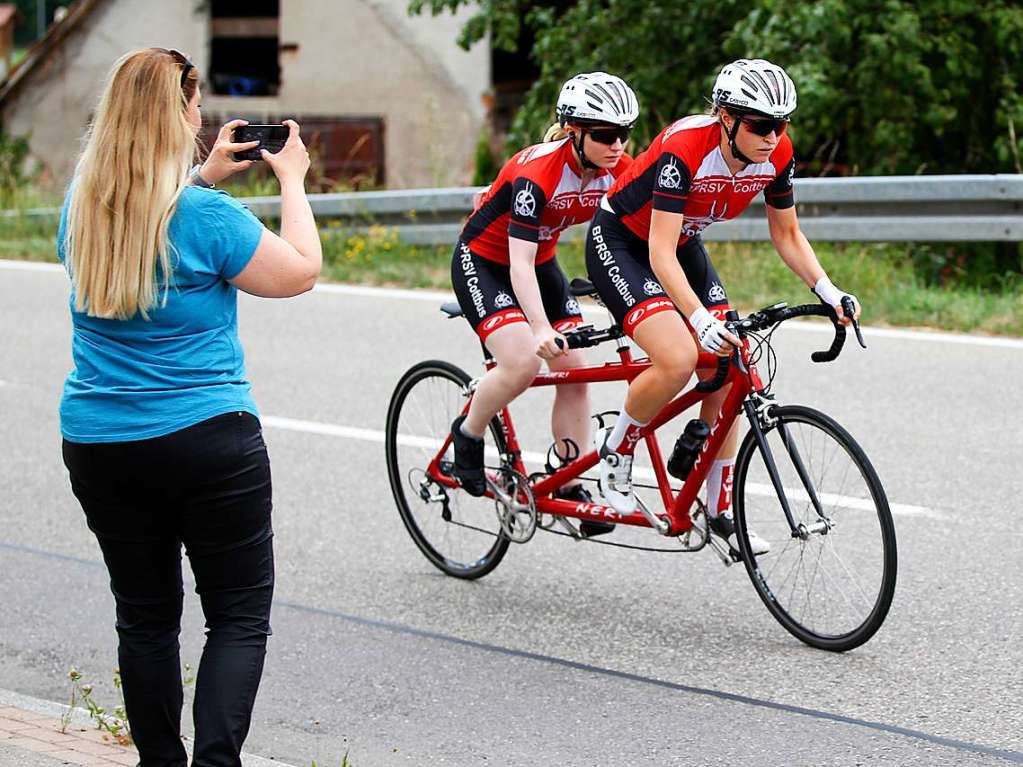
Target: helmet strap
731 141
584 161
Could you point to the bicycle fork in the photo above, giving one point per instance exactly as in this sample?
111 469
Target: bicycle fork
800 530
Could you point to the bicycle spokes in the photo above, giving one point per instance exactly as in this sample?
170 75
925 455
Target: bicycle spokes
830 573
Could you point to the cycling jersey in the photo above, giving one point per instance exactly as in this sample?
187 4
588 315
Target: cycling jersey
683 171
537 195
484 291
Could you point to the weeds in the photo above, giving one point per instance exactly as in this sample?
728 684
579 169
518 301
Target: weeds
115 723
343 763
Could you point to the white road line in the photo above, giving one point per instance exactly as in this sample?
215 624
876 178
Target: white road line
538 459
31 266
596 312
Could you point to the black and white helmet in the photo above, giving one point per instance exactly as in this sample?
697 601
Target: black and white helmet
755 85
597 97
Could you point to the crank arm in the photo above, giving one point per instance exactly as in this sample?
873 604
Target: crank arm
663 526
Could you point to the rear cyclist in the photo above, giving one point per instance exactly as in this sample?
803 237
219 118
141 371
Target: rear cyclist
645 257
507 280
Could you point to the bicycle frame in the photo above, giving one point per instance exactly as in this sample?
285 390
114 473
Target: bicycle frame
744 380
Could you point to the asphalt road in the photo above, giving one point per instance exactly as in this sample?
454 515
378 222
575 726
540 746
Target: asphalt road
569 653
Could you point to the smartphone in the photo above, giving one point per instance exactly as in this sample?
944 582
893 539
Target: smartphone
270 137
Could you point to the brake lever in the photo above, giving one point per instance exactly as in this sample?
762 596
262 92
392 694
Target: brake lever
849 309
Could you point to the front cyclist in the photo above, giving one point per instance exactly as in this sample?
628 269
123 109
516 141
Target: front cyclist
508 281
645 257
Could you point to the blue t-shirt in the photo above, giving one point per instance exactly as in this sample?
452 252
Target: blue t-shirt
136 379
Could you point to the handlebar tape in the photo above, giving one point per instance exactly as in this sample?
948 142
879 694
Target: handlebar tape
719 377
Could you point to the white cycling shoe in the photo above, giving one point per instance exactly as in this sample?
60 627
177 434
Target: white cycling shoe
615 475
723 526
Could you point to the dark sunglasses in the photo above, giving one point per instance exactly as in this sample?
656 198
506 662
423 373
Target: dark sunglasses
765 127
186 65
610 135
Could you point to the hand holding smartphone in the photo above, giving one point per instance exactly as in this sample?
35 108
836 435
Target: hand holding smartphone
270 137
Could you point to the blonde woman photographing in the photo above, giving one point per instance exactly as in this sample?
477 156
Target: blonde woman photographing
161 436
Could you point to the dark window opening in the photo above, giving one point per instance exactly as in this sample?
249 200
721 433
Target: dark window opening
240 9
514 72
244 47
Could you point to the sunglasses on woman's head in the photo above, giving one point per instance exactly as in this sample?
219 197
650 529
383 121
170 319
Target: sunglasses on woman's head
765 127
186 65
609 136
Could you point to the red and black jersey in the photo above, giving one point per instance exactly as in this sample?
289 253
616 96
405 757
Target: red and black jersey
537 195
683 171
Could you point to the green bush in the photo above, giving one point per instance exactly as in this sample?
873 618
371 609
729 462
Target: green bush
13 178
486 165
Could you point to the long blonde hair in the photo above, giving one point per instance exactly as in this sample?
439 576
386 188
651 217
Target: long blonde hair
135 163
555 133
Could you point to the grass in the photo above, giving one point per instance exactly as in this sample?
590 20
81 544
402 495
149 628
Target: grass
880 274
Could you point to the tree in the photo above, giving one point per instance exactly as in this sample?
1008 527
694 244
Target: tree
885 86
28 30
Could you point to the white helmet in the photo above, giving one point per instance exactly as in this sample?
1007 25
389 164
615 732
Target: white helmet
597 97
755 85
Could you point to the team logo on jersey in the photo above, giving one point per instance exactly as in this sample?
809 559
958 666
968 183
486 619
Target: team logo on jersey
503 300
572 306
652 287
716 292
670 178
525 203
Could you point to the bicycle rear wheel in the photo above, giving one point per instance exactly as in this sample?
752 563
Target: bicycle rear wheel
458 533
831 584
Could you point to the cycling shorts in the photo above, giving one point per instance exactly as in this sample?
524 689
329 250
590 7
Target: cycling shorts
618 263
484 291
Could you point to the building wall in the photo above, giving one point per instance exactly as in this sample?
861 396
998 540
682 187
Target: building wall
53 106
353 58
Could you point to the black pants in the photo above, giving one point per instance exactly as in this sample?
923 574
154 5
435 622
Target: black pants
208 487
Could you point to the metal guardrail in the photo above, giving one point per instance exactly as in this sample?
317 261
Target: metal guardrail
875 208
871 209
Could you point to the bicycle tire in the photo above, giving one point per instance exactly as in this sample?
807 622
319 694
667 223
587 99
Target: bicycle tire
796 422
453 564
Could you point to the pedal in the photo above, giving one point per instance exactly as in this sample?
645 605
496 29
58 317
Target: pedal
722 550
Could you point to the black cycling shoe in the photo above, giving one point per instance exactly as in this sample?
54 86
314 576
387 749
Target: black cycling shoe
723 526
468 468
579 494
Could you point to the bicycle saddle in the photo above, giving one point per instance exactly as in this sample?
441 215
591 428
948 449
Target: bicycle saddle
582 287
451 309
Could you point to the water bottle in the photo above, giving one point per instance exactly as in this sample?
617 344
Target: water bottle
687 447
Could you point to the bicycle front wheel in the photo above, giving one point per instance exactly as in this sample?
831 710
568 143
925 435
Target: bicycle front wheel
830 576
458 533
